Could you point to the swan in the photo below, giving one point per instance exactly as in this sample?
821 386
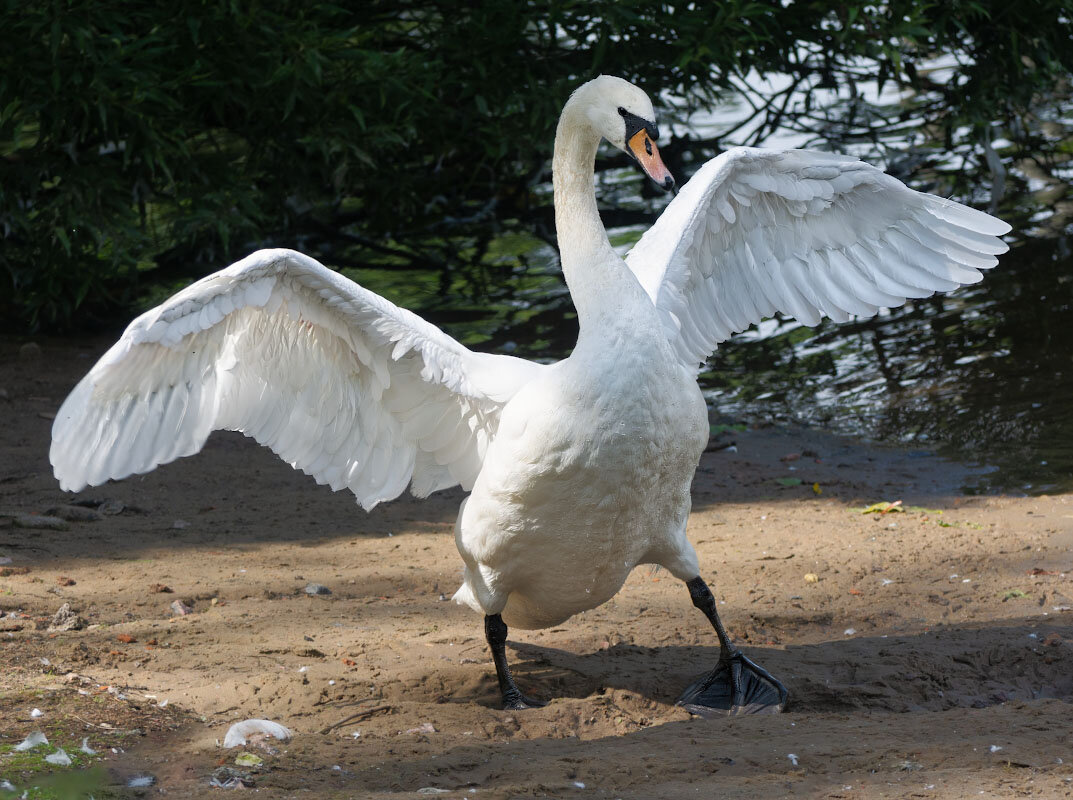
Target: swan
577 471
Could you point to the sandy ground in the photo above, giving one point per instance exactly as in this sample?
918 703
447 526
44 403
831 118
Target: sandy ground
932 657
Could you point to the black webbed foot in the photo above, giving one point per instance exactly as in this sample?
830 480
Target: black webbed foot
736 686
516 701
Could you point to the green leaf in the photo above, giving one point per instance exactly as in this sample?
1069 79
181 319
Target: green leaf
248 760
61 234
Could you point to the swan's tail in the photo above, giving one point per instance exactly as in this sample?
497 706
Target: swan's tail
465 597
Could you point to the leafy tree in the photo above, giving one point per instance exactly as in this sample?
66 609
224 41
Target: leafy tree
147 144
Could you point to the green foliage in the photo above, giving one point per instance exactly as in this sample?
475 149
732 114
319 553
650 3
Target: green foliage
145 141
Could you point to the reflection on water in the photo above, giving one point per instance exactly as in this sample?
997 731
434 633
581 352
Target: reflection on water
985 374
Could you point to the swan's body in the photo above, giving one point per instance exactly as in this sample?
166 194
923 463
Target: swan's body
580 470
590 472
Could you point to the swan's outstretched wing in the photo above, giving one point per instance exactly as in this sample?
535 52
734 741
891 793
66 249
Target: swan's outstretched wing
804 233
338 381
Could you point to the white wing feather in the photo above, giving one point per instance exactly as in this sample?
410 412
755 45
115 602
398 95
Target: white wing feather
339 382
804 233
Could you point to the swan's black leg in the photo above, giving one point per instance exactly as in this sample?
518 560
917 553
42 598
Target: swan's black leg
736 685
495 630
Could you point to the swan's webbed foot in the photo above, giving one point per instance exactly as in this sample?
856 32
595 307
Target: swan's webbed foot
516 701
737 685
495 631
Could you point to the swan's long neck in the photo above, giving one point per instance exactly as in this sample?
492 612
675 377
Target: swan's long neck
593 271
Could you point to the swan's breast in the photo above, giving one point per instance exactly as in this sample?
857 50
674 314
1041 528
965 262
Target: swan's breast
590 471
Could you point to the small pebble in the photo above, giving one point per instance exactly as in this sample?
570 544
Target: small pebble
316 588
75 513
31 351
65 620
40 522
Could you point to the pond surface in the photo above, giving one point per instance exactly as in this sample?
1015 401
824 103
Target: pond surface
984 374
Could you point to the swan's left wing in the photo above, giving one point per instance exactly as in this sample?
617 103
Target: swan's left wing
338 381
804 233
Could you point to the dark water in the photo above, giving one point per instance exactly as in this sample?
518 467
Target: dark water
984 374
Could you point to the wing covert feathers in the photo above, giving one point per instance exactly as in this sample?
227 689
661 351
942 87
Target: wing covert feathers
807 234
338 381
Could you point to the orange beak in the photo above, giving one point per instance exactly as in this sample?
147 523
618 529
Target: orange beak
641 147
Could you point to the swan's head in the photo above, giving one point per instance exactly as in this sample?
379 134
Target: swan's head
623 114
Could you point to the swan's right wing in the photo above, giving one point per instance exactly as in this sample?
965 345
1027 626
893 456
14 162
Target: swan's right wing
803 233
339 382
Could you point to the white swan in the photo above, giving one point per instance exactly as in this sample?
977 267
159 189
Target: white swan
578 471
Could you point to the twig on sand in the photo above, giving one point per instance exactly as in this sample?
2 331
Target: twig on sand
361 715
